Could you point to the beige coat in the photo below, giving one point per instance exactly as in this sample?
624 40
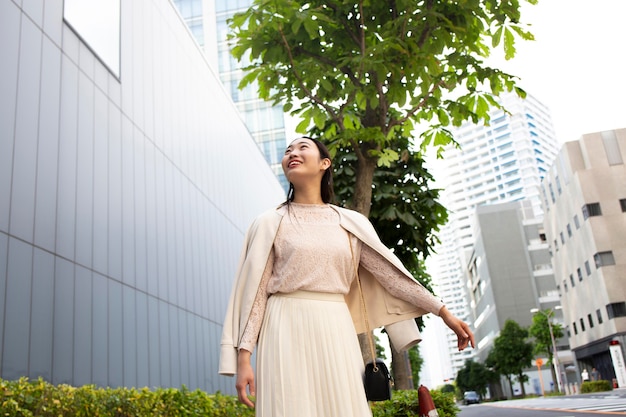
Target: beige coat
395 314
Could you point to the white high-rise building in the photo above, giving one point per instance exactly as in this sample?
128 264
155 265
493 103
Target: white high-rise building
501 162
208 23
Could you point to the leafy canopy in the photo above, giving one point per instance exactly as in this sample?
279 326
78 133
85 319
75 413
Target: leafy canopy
511 352
540 330
375 69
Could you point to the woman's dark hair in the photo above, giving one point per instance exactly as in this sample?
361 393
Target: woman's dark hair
327 191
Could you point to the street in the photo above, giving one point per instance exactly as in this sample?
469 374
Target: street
582 405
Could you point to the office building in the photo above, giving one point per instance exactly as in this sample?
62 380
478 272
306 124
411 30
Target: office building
207 21
502 161
585 223
127 183
509 273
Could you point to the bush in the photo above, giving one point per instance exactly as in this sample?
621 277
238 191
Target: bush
595 386
406 404
24 398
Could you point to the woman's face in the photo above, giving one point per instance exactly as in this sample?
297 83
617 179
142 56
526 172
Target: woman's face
302 160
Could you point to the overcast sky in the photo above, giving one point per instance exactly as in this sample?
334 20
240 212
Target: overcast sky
576 64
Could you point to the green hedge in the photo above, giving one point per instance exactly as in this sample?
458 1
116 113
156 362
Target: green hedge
406 404
39 398
595 386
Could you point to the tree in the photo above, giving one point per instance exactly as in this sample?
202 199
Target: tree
366 73
474 376
512 353
540 331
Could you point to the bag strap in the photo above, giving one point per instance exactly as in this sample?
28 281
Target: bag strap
370 337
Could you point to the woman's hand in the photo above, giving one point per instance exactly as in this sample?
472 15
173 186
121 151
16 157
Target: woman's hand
462 330
245 377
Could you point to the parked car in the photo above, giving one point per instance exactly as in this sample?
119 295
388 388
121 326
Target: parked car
471 397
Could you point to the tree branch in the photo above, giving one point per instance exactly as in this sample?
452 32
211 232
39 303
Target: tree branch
306 90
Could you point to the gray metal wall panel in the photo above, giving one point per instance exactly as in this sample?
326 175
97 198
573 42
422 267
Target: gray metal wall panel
17 309
42 321
130 200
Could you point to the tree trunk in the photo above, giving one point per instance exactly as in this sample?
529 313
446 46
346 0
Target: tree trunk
362 198
555 384
402 375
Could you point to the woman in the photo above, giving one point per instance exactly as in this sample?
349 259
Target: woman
296 294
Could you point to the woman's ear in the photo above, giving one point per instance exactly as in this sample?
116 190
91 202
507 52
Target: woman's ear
326 163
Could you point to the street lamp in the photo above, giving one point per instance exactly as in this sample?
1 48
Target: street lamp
555 357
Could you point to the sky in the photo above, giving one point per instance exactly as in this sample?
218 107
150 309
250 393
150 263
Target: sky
576 67
576 64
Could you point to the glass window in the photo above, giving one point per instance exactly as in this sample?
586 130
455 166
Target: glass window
587 268
562 238
591 209
575 328
622 203
580 274
582 325
569 230
571 280
97 23
616 310
599 316
604 259
590 319
576 222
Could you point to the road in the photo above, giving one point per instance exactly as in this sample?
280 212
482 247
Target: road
582 405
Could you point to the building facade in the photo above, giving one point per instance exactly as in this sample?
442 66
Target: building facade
127 183
585 222
510 273
503 161
207 20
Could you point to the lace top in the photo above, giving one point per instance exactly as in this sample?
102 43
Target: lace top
311 253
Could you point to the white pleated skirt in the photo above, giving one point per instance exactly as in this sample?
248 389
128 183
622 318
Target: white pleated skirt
308 359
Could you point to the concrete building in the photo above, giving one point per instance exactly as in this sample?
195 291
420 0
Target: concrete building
127 182
501 162
509 273
585 223
207 21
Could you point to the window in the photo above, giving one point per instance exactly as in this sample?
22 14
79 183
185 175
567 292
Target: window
580 274
576 222
562 238
571 280
587 268
616 310
575 328
604 259
569 230
582 325
622 204
565 285
97 23
591 209
599 316
590 319
551 192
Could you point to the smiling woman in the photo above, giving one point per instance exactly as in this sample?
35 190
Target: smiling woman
297 300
